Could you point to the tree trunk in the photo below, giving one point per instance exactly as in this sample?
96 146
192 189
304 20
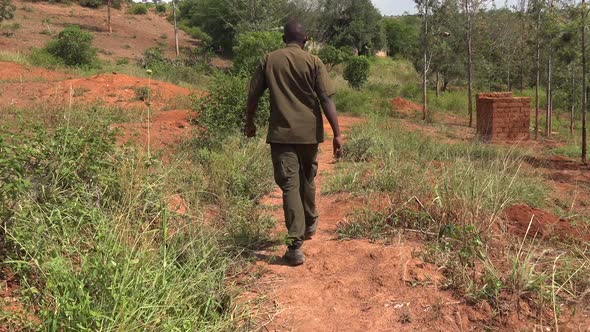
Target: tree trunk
584 86
109 22
573 100
509 81
549 111
425 64
437 84
175 29
469 64
538 74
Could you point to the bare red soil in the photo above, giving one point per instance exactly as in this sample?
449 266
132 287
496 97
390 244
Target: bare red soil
165 131
523 219
132 34
404 106
357 285
14 72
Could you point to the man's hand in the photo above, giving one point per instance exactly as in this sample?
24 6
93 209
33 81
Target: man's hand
338 147
250 130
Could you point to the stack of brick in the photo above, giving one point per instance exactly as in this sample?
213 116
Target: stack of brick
502 117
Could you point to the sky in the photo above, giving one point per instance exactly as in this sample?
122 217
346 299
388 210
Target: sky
398 7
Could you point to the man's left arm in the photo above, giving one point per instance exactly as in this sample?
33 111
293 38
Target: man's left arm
257 87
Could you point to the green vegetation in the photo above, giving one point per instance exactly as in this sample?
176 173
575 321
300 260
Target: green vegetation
161 8
73 47
138 9
92 3
222 111
6 10
93 238
356 71
330 56
251 47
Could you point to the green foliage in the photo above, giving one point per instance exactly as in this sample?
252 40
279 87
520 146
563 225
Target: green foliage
138 9
221 112
42 58
91 3
197 33
252 46
403 36
142 93
225 20
73 46
88 231
356 71
330 56
355 23
6 10
192 67
161 8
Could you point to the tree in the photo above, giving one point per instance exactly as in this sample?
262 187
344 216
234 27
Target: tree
402 36
356 71
330 56
176 47
252 46
584 84
355 23
6 10
223 20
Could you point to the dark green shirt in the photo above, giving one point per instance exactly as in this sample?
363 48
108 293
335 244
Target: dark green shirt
294 78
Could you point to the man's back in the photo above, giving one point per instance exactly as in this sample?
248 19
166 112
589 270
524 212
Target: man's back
294 78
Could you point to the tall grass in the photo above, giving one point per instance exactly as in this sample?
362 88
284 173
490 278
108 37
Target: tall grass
89 233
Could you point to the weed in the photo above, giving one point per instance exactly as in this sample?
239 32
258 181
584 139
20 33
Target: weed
142 93
79 91
138 9
122 61
163 36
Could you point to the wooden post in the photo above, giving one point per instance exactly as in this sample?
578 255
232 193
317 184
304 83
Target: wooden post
175 29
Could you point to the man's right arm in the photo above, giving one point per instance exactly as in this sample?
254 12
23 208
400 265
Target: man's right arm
256 89
325 91
329 108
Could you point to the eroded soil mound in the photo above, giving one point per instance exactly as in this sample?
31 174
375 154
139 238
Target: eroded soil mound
164 131
543 224
14 72
404 106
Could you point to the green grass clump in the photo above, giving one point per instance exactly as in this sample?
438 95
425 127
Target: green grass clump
90 236
138 9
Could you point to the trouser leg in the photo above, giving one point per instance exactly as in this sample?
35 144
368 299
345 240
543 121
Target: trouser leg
286 172
307 189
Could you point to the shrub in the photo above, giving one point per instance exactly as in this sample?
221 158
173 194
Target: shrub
356 71
40 57
252 46
221 112
160 8
138 9
197 33
6 10
91 3
330 56
73 46
142 93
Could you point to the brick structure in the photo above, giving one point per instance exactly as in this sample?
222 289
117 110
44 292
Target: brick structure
502 117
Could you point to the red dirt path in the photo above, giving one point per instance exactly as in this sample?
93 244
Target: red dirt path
357 285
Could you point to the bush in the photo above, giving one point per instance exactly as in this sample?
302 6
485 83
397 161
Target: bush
191 67
252 46
86 233
356 71
142 93
221 112
138 9
330 56
6 10
91 3
160 8
73 46
197 33
40 57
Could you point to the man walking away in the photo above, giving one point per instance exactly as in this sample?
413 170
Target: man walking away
299 85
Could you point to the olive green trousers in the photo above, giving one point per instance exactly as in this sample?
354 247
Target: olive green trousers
295 168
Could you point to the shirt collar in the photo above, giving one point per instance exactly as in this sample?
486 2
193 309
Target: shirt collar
293 45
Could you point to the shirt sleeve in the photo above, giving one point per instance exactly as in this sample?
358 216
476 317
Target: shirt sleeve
258 81
323 83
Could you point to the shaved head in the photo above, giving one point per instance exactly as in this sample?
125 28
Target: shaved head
295 32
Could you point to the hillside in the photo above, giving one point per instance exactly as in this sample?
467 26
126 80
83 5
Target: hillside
35 23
